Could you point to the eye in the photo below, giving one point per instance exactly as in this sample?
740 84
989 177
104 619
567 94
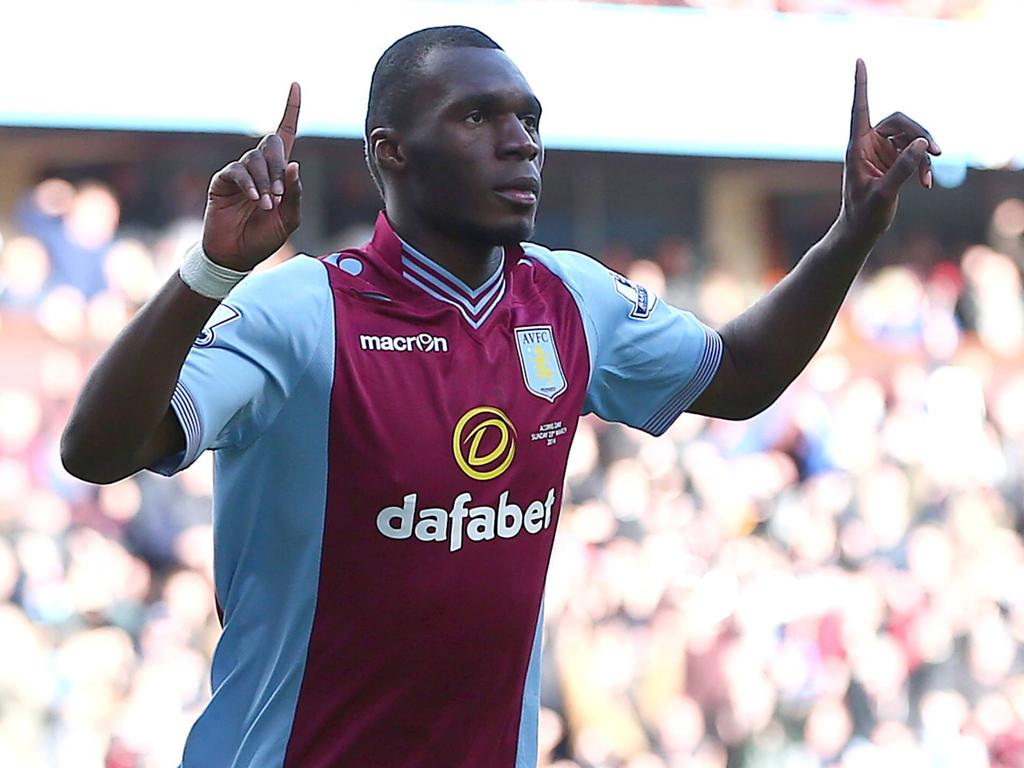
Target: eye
476 117
532 122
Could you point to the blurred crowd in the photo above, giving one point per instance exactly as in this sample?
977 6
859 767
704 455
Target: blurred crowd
960 10
838 582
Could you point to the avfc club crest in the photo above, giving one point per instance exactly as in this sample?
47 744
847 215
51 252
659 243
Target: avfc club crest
542 370
643 300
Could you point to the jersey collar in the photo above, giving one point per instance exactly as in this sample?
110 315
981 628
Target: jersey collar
430 278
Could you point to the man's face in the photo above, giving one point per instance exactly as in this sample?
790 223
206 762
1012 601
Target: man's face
472 148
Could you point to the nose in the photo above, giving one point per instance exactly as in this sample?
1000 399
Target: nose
516 141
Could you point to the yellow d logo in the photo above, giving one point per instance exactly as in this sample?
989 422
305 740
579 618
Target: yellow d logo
471 430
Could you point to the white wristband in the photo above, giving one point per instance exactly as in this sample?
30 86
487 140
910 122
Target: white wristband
205 277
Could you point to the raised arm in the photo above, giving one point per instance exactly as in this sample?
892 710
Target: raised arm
769 344
122 421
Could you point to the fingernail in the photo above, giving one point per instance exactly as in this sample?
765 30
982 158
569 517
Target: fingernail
928 179
277 187
253 194
936 148
266 203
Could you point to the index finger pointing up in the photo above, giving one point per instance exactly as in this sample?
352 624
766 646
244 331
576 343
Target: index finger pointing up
290 120
860 120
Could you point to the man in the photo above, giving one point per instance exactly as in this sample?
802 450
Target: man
392 423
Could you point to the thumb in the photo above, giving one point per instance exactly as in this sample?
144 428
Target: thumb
906 165
291 201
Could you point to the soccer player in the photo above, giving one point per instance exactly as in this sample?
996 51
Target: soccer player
391 424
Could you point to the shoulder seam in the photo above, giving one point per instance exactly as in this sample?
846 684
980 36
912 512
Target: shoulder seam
312 353
580 300
581 307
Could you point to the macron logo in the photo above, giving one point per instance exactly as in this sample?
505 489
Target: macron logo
422 342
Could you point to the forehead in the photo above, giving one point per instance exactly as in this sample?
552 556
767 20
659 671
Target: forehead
450 74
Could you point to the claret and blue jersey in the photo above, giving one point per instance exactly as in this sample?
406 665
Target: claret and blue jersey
390 448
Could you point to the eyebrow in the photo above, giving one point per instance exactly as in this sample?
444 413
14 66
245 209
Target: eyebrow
495 100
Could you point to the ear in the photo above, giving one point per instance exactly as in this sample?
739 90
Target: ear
386 149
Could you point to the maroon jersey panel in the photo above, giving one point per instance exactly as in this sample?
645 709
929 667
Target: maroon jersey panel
450 428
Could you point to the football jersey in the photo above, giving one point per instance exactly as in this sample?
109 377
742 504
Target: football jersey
390 449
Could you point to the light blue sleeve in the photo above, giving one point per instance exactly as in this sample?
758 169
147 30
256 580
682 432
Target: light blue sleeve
648 361
248 359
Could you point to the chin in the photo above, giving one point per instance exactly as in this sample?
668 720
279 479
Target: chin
491 233
516 233
490 228
512 230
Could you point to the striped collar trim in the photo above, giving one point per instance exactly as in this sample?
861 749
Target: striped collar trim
475 304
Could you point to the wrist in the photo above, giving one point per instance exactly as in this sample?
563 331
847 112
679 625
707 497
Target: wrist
850 234
206 277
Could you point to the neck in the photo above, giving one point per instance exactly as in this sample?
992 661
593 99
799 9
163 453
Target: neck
472 263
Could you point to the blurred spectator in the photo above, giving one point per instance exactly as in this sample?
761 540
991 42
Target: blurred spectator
835 583
76 227
24 271
925 9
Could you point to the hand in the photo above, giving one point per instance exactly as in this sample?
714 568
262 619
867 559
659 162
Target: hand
253 204
879 161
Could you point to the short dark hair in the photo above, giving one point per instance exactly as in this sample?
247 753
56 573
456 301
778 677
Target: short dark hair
395 77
